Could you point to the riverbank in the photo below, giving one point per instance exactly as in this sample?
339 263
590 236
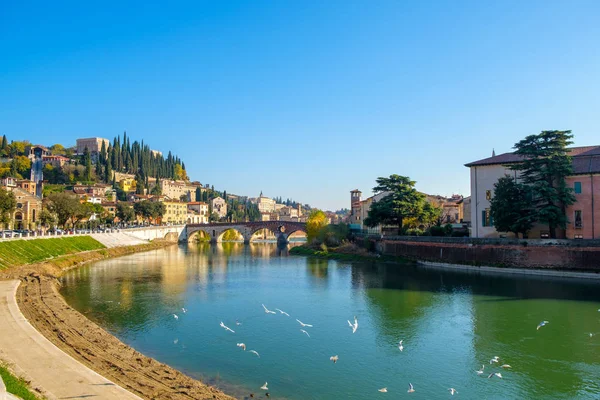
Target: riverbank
40 302
346 252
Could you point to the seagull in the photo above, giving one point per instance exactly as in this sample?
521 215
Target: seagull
175 316
383 390
237 322
175 341
184 310
334 358
505 366
283 312
543 323
256 352
353 326
242 345
591 334
302 330
400 346
222 325
411 389
452 391
303 324
494 360
264 387
481 370
267 310
498 374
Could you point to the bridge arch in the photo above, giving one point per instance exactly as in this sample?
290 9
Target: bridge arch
172 236
230 235
199 236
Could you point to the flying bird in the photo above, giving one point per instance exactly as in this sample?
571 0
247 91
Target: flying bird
494 360
543 323
353 326
303 324
498 374
481 370
184 310
302 330
452 391
268 311
400 346
255 352
591 334
242 345
222 325
411 389
383 390
334 358
505 366
175 316
264 387
237 322
283 312
175 341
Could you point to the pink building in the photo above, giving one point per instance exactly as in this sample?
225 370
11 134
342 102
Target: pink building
583 215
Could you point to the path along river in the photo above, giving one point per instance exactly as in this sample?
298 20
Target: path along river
451 324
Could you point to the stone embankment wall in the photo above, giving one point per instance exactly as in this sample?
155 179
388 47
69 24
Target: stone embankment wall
576 256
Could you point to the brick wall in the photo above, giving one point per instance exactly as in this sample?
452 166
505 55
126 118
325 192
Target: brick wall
518 256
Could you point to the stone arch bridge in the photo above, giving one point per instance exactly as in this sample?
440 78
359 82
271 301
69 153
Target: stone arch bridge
281 229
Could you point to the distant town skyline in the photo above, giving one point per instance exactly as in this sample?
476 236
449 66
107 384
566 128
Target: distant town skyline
306 101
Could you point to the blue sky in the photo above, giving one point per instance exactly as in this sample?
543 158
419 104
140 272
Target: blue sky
306 100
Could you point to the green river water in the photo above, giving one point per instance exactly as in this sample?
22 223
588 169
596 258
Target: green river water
450 323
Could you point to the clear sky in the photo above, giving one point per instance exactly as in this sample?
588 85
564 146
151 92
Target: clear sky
304 99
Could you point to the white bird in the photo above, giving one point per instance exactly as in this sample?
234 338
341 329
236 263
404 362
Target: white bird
264 387
175 341
494 360
255 352
411 389
452 391
303 324
505 366
400 346
242 345
237 322
383 390
591 334
184 310
543 323
268 311
353 326
481 370
498 374
222 325
283 312
175 316
334 358
302 330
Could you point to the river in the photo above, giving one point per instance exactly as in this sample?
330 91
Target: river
451 324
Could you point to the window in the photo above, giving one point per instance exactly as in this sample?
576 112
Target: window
577 187
578 219
486 218
488 194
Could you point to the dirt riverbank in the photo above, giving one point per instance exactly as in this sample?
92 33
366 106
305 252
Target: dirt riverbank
46 310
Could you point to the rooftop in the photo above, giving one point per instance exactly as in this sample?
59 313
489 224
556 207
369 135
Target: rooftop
586 159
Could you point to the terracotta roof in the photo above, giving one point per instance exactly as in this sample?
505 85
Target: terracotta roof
586 159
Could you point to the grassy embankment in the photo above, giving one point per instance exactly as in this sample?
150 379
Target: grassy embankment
16 386
20 252
345 252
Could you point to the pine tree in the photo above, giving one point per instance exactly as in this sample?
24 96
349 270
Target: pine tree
4 142
544 168
87 161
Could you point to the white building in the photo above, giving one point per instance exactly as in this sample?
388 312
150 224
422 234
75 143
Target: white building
219 206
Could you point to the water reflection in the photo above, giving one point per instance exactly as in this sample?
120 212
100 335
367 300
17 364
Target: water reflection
450 322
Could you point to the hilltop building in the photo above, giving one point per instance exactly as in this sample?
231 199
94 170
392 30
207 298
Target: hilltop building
219 206
583 216
94 146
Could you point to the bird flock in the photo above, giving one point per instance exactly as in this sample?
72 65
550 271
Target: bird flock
354 327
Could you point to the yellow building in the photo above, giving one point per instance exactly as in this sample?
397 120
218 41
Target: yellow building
175 212
128 185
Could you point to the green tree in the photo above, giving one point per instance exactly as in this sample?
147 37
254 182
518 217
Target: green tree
47 219
58 149
510 208
8 204
544 167
213 217
125 212
65 206
315 223
87 162
402 202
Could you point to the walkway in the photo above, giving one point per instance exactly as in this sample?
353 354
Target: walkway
44 364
